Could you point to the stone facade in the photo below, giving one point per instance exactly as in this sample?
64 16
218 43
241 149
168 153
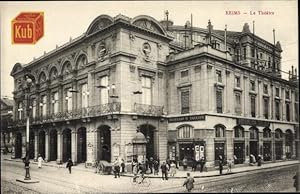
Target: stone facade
90 96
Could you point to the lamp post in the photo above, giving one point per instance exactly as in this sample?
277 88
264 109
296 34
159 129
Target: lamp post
28 82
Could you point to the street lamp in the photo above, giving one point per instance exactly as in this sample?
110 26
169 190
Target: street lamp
28 82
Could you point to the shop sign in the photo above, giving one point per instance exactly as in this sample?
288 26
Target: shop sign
251 122
187 118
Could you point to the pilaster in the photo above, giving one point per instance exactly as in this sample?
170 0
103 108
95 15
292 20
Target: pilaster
59 147
210 147
36 151
74 146
229 144
47 150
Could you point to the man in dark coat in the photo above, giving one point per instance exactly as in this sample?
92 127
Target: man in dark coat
164 171
69 165
296 182
201 164
156 167
189 182
151 165
220 164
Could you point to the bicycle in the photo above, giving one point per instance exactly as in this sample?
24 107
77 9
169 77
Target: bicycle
141 181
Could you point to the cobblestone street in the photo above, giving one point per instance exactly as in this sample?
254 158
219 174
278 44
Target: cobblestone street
58 180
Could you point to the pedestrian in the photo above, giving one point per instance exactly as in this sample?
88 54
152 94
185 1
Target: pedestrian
134 171
229 163
116 168
194 164
296 182
173 169
184 162
156 167
164 171
146 165
151 165
220 164
201 164
40 161
259 160
96 166
122 166
69 165
189 182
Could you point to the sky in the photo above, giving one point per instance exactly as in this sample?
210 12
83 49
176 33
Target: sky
71 19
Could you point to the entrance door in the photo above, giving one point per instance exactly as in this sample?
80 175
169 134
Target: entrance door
81 143
31 145
219 151
104 143
66 144
18 145
239 152
53 145
278 150
148 132
42 143
186 150
254 148
267 151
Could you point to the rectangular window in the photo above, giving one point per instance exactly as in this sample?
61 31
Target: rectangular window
44 106
104 90
55 102
277 92
252 85
253 106
219 101
245 53
68 104
287 94
146 90
237 55
277 110
33 108
265 89
237 82
20 111
219 76
185 102
296 96
266 108
287 108
269 63
252 53
185 74
84 96
238 105
261 55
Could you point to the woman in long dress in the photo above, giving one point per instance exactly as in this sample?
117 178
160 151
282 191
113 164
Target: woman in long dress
40 160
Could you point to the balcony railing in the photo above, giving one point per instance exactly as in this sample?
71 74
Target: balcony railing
92 111
148 109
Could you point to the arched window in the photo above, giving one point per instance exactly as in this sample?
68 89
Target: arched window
239 132
67 68
288 136
53 74
267 133
185 131
253 133
42 78
278 134
81 61
220 131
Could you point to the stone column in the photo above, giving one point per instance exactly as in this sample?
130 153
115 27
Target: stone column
74 145
47 150
210 148
283 148
247 146
294 144
260 143
36 140
229 144
90 146
59 147
273 146
23 144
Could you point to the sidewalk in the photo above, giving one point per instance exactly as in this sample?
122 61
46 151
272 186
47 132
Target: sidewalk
179 173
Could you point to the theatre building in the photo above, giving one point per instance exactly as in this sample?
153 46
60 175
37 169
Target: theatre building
136 87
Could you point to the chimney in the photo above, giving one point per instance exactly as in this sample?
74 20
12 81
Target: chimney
289 74
292 71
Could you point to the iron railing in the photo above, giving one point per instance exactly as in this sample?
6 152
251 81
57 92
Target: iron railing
148 109
92 111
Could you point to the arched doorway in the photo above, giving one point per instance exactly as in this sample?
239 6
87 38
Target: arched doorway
148 131
239 144
31 145
53 145
253 142
104 143
267 144
81 145
66 144
289 143
278 144
18 145
42 143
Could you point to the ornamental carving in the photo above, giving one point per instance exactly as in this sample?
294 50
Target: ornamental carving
146 50
101 51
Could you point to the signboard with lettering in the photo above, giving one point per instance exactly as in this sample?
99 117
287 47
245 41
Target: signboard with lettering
186 118
252 122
